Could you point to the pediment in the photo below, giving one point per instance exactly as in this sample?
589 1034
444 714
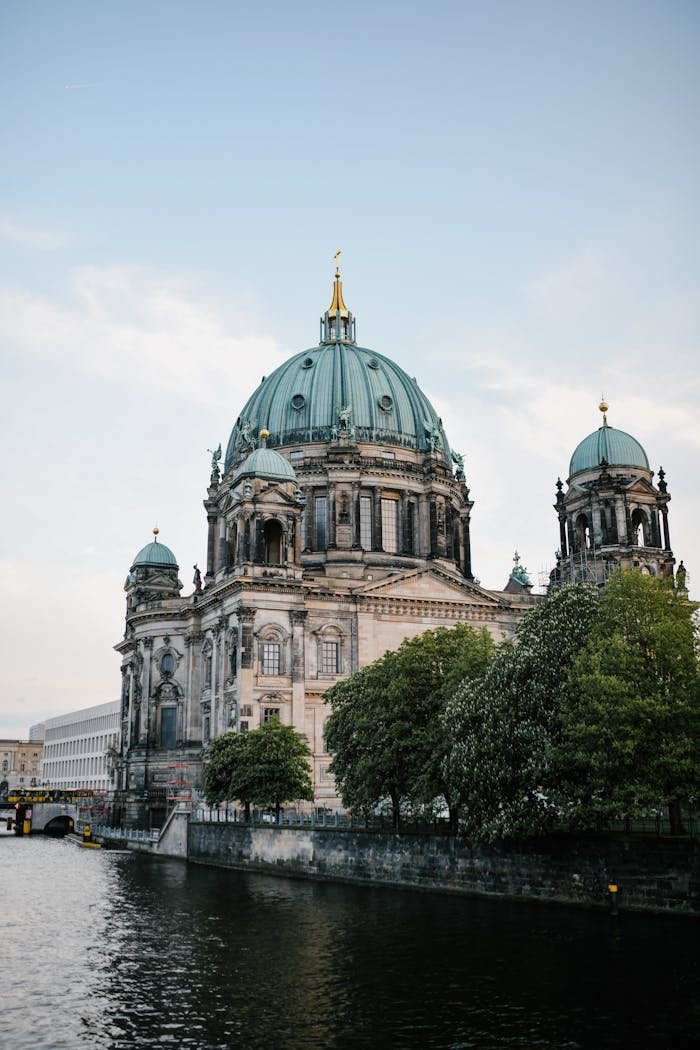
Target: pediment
641 486
430 585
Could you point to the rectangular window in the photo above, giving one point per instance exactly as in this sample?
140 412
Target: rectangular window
270 713
244 727
246 710
168 727
329 657
320 522
271 658
390 532
366 523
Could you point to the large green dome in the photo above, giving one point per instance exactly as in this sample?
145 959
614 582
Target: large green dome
616 447
301 400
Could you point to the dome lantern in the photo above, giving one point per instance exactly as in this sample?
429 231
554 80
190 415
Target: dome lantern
337 324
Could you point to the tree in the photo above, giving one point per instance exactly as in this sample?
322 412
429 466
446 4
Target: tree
279 763
266 767
631 724
385 728
228 772
502 766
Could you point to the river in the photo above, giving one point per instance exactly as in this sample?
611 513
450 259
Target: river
107 950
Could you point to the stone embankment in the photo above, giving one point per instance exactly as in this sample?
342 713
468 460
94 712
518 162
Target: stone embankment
651 873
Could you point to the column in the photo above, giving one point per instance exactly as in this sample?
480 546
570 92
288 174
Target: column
377 522
355 515
331 515
298 619
211 546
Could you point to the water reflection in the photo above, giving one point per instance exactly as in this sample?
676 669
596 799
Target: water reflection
122 950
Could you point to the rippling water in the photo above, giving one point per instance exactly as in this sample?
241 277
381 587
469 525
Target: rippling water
112 950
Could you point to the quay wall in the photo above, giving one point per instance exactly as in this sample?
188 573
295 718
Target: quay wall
652 874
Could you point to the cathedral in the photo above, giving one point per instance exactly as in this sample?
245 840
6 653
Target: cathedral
338 525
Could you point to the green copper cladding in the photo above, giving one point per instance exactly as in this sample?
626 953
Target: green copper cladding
616 447
339 387
265 463
155 554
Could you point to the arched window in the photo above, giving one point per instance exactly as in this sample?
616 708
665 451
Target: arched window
272 651
583 532
273 538
329 658
640 528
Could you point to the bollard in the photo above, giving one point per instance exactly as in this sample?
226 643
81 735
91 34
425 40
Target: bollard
9 823
612 890
87 833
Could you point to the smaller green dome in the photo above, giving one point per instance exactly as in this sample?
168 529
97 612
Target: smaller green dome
266 463
616 447
155 554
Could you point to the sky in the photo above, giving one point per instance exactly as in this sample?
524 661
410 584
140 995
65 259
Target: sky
514 190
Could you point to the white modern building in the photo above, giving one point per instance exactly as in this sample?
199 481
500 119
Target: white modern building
78 747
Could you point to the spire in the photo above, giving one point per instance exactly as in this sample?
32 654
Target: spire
337 324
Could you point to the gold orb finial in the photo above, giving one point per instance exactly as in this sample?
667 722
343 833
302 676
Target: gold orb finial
603 406
264 433
156 530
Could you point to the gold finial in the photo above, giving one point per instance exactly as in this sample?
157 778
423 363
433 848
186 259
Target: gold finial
156 530
337 302
264 434
603 407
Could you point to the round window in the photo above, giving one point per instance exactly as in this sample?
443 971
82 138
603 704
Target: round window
307 362
373 363
298 402
385 403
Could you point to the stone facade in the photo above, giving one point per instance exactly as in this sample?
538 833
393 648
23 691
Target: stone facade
347 537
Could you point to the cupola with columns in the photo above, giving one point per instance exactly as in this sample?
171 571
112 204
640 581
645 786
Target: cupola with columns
611 514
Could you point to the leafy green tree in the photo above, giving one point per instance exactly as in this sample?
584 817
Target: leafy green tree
631 726
228 773
279 762
385 729
266 767
502 767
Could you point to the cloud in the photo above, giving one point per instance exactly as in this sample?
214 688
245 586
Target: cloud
28 236
135 326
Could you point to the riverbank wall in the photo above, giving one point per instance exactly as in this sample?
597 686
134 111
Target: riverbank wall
651 873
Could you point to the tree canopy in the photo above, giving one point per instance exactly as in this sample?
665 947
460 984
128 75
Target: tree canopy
385 729
265 767
505 726
631 724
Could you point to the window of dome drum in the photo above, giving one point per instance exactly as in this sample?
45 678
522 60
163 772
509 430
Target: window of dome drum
271 658
366 522
298 402
271 712
320 522
390 525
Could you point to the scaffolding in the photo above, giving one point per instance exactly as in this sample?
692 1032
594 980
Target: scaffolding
586 566
179 786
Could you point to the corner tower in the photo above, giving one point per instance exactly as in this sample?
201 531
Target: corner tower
611 515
